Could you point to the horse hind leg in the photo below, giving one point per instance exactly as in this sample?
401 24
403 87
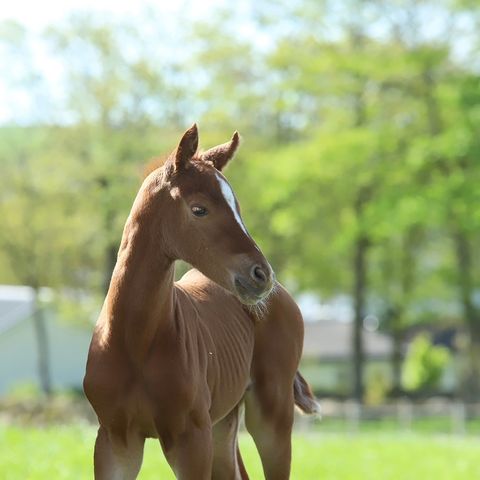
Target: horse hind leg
269 412
227 461
269 420
276 384
269 402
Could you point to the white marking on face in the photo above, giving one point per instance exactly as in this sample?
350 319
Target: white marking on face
230 198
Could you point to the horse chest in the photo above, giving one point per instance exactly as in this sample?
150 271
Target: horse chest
209 364
202 363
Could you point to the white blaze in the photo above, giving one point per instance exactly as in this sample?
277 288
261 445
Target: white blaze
230 198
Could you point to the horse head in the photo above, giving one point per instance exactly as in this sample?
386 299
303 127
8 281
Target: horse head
204 226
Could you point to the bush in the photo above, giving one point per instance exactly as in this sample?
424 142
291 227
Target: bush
424 366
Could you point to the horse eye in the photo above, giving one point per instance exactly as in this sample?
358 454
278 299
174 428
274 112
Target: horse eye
199 211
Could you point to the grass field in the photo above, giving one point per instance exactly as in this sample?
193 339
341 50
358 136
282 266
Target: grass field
65 453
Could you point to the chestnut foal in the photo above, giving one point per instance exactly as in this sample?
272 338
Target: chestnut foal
175 361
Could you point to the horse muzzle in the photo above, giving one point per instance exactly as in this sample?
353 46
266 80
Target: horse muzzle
255 286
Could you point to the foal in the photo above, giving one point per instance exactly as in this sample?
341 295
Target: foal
175 361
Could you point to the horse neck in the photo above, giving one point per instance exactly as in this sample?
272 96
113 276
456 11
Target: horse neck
140 299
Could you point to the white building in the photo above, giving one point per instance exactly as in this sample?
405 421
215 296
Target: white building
68 344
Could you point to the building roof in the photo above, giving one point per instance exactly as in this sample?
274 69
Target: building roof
16 304
330 339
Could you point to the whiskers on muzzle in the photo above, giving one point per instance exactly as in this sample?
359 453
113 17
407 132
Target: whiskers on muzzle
260 309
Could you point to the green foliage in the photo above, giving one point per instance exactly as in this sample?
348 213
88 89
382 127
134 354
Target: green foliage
326 117
424 365
41 222
358 121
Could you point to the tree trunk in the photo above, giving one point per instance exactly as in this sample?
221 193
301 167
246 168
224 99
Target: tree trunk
471 314
397 321
397 359
360 286
43 348
362 241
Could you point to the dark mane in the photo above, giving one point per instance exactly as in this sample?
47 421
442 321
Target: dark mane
158 162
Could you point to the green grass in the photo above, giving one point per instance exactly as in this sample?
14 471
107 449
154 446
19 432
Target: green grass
66 453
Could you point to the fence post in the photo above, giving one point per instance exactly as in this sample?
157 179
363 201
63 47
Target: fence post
405 414
353 414
303 423
458 416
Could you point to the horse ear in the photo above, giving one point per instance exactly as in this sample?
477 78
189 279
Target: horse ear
221 154
187 147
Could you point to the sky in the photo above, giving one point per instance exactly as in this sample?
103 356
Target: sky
38 14
18 104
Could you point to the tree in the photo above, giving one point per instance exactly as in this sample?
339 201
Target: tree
120 102
42 230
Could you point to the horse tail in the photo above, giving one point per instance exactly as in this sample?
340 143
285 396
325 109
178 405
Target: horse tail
304 398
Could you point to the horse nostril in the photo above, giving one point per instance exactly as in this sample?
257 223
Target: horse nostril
259 275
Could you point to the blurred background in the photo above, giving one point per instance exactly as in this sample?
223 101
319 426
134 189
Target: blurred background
359 176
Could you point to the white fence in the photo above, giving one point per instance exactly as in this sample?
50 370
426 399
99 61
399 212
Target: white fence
434 415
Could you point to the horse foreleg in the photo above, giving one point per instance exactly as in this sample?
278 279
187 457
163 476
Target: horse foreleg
269 420
227 462
117 458
189 453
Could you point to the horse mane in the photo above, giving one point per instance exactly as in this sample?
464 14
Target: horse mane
154 164
158 162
